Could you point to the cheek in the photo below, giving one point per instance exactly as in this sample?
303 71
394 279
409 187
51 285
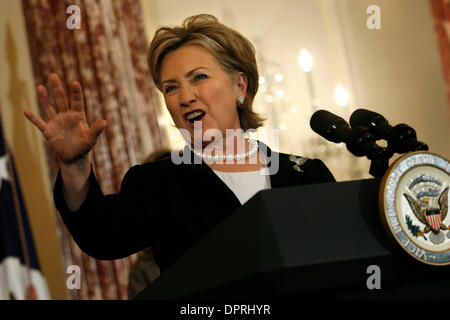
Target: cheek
170 105
220 101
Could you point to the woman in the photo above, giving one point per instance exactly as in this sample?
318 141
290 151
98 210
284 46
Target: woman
208 75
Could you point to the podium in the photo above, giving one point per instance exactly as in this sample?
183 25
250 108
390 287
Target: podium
312 241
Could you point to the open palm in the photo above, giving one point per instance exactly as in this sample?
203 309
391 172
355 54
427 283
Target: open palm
66 129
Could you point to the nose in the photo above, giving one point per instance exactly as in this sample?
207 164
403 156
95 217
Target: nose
187 95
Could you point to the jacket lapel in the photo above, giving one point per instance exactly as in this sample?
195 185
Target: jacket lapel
279 163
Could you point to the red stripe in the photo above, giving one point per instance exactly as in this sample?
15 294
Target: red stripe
435 221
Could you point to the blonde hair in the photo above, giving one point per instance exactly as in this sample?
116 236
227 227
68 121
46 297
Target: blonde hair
232 51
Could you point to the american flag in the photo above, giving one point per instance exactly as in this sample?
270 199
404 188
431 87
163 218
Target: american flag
20 275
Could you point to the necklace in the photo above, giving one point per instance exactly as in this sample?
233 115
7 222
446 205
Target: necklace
254 147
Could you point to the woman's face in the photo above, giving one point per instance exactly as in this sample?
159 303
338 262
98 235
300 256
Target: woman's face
196 89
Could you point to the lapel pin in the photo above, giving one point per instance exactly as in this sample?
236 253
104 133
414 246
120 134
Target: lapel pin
299 161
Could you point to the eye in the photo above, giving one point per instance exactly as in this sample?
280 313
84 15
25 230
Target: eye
201 76
169 88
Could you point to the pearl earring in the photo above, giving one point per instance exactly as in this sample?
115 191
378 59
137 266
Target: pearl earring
241 99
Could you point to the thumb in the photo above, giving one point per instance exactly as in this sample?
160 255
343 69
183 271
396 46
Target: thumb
97 128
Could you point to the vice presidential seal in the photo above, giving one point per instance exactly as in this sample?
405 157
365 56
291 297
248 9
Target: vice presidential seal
414 206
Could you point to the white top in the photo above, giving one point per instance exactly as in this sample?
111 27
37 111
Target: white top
245 184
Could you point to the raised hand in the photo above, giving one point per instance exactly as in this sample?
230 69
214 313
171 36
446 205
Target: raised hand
66 129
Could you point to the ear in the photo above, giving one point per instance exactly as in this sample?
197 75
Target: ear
241 85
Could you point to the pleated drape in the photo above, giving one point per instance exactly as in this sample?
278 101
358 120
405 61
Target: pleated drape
441 15
107 55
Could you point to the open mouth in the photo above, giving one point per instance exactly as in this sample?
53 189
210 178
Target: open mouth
195 116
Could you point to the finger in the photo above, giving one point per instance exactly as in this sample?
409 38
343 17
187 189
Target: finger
77 102
97 128
58 93
45 102
36 120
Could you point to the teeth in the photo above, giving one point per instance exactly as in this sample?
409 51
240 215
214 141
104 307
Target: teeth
194 114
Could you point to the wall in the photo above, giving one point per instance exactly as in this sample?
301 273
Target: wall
398 69
17 93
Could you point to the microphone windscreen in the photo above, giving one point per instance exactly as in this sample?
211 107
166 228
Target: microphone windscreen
326 123
363 117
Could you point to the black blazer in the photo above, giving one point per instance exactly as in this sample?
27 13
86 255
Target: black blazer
166 206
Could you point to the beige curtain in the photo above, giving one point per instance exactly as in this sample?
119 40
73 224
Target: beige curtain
107 55
441 15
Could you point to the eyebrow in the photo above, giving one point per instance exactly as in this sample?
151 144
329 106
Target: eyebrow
187 75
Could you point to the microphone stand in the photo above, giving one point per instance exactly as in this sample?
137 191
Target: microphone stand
401 139
379 162
363 143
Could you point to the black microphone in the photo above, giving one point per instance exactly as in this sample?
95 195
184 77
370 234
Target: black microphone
401 138
360 141
330 126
